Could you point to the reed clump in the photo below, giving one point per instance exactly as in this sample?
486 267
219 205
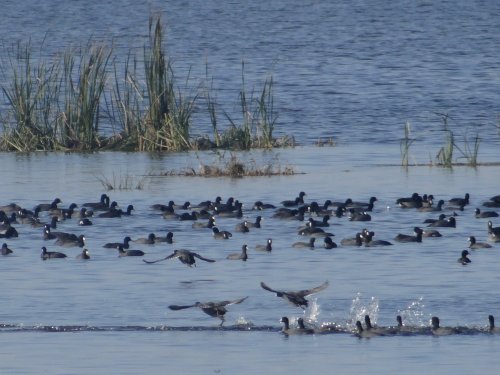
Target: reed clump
84 100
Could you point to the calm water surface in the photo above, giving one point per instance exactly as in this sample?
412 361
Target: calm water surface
354 72
114 310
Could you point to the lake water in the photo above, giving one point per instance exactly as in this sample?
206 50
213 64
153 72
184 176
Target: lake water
354 72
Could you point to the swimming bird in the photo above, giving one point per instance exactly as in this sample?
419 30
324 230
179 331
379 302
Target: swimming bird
355 241
415 201
256 223
84 213
491 327
239 256
8 232
242 227
311 230
51 254
430 221
129 253
238 213
493 232
463 258
164 207
460 201
169 238
11 207
379 331
5 249
368 240
208 224
48 234
112 212
484 214
320 223
437 330
363 205
85 222
63 213
329 244
300 330
221 234
287 213
48 206
267 247
362 333
404 329
296 298
103 203
409 238
477 245
295 202
71 242
84 255
315 208
187 216
492 203
150 240
448 222
128 211
359 216
214 309
432 208
185 256
302 245
113 245
259 205
431 233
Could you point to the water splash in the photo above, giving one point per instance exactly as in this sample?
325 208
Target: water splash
313 311
360 308
413 314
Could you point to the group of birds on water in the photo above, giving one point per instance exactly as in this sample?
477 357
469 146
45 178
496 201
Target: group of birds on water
204 215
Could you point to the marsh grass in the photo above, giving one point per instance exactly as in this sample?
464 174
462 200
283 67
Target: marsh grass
122 182
59 103
234 167
471 150
258 119
32 95
405 144
445 155
85 76
230 165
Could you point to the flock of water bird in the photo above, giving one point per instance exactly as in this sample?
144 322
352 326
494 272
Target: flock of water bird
313 219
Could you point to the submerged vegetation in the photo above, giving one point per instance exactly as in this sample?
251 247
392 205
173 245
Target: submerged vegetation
60 103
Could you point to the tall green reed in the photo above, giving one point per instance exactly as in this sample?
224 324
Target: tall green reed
31 94
83 86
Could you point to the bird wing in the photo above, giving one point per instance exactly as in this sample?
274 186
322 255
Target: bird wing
203 258
173 255
225 303
307 292
180 307
264 286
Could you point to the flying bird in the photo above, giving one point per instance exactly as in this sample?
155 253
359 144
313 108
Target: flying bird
214 309
185 256
296 298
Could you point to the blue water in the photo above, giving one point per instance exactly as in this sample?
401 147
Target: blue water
353 72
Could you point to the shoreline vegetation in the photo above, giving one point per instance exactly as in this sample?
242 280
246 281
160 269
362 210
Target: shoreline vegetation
60 104
84 100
